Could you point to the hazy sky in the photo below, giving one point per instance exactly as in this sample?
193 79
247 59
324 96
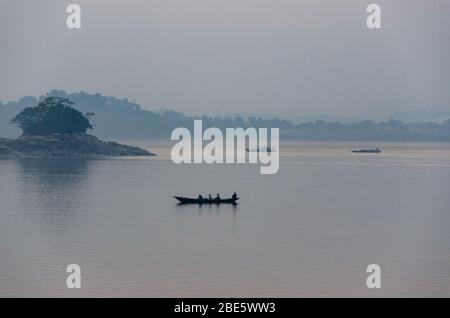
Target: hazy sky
281 57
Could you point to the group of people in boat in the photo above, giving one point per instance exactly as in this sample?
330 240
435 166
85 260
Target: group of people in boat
217 198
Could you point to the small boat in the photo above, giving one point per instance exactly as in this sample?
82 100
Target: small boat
184 200
262 149
376 150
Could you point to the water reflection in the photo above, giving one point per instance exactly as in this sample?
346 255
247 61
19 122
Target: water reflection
208 207
53 189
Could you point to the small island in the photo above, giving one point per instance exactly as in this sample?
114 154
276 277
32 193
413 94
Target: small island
55 129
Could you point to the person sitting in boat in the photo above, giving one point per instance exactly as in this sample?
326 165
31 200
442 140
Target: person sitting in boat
234 197
218 197
210 198
200 197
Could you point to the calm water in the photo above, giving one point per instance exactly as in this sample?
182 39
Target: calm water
310 230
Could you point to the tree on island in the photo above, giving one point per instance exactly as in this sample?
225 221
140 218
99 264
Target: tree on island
54 115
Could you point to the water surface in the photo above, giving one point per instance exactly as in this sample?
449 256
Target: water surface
310 230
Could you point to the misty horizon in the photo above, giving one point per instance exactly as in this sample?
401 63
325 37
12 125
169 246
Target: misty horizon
412 116
120 118
285 58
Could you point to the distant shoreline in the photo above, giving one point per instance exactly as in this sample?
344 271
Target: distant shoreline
123 120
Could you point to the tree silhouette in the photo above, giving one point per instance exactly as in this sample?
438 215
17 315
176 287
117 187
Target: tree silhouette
53 115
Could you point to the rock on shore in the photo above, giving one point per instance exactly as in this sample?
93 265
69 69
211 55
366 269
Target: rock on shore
64 145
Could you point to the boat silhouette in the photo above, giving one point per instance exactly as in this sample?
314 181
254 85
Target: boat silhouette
184 200
376 150
262 149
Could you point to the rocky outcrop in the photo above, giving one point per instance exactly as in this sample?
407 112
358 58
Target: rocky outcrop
63 145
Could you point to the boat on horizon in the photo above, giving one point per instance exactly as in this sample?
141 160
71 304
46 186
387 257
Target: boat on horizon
184 200
370 150
262 149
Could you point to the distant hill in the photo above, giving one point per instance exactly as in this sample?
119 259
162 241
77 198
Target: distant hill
423 116
114 118
325 118
246 115
121 119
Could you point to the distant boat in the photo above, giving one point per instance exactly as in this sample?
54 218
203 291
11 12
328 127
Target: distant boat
376 150
262 149
184 200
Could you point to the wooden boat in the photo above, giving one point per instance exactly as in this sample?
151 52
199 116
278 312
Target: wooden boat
184 200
